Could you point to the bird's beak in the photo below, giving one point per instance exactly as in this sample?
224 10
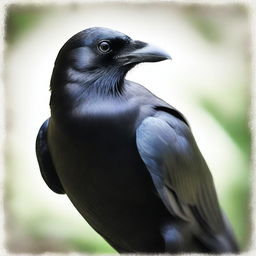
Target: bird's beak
143 52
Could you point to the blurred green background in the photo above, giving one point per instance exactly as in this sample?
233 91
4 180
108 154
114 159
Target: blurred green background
208 80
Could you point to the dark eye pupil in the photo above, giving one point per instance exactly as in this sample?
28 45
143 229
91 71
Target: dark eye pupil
104 47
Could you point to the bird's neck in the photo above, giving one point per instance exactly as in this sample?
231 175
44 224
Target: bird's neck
71 87
107 80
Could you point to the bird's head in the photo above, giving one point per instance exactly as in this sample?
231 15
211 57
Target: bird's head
102 57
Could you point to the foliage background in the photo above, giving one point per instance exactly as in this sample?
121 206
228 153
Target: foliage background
208 80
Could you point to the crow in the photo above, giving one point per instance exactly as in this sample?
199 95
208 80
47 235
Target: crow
126 159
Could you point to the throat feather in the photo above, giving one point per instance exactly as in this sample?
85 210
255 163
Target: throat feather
103 81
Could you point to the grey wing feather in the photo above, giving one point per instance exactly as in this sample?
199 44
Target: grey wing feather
179 172
45 162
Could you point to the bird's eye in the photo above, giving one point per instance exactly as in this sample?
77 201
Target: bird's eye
104 47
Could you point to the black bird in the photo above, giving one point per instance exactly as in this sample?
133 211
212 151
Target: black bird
126 159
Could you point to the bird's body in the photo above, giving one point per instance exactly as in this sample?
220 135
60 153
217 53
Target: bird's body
127 160
115 192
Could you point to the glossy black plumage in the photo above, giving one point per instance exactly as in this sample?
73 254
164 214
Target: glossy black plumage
126 159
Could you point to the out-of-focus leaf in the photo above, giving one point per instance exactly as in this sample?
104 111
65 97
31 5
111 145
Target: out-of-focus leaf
204 25
236 125
21 19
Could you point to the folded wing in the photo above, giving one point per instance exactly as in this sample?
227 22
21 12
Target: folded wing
46 165
182 178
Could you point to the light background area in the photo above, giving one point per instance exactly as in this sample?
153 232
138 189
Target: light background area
208 81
